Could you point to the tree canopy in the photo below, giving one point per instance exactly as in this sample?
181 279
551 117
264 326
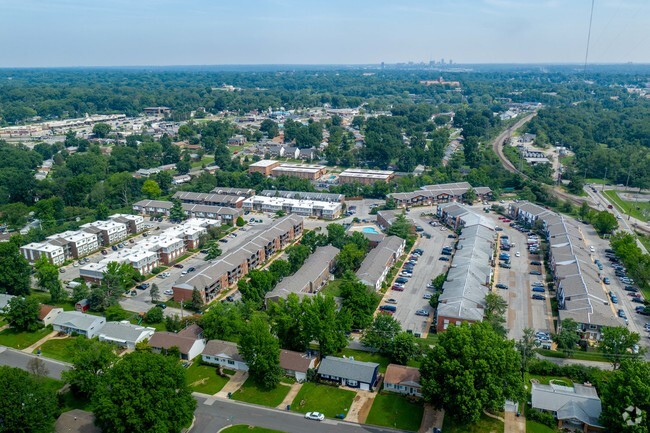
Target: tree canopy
26 405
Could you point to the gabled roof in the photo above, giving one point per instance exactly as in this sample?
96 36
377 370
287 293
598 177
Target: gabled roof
402 374
76 320
167 340
45 310
295 361
125 332
348 369
576 402
224 349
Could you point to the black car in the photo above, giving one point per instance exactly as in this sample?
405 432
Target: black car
451 236
444 259
163 306
501 286
535 273
114 248
638 300
631 289
504 265
190 269
538 297
536 263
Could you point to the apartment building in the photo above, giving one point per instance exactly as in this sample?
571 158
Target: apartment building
210 279
76 243
429 195
458 216
158 207
306 208
263 167
54 253
375 266
240 192
302 171
107 232
210 199
301 195
365 177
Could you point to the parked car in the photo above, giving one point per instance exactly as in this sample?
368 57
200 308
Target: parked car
504 265
62 271
179 266
316 416
398 288
401 280
621 314
422 313
631 289
191 269
501 286
168 292
536 263
444 259
638 300
606 281
163 306
390 308
538 297
535 272
517 254
427 296
538 289
114 248
391 301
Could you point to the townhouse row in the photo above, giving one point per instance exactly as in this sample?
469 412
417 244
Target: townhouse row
429 195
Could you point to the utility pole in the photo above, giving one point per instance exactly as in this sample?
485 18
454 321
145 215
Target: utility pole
629 210
604 177
181 309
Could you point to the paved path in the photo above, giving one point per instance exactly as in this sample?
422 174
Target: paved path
360 407
569 361
293 392
36 345
15 358
431 418
235 382
514 423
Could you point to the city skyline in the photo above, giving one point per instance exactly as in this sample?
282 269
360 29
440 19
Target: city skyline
38 33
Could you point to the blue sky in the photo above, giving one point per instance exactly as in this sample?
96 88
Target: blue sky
207 32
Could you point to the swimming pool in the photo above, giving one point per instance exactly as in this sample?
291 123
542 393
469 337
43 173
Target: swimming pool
370 230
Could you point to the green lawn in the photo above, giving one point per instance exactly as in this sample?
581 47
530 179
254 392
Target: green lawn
636 209
392 410
535 427
44 298
57 349
332 288
243 428
359 355
20 340
204 379
322 398
484 425
251 393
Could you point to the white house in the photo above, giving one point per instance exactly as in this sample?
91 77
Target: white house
125 334
189 342
297 364
48 313
403 380
75 322
225 354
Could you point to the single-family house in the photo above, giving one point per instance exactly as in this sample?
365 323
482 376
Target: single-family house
575 407
189 342
125 334
296 364
349 372
48 313
403 380
4 300
225 354
70 322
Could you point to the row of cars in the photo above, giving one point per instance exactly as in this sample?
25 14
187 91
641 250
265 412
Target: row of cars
400 282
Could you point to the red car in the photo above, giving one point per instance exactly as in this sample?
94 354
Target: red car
398 288
178 265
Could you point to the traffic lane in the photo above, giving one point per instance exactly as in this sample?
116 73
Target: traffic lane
15 358
218 413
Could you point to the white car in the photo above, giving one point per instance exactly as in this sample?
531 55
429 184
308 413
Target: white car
168 292
316 416
517 254
427 296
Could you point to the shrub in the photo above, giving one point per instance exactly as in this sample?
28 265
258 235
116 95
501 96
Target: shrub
541 417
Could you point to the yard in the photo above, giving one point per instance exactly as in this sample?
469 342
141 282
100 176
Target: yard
251 393
322 398
21 340
204 379
332 288
484 425
44 298
535 427
243 428
359 355
57 348
392 410
639 210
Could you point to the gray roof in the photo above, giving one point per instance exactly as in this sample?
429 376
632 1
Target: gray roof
317 196
348 368
119 331
76 319
247 192
374 265
577 402
223 348
198 197
4 300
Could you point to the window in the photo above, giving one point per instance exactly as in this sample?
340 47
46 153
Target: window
352 382
231 362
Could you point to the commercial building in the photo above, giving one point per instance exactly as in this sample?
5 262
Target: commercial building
375 266
575 407
365 177
264 166
210 279
306 208
302 171
301 195
157 111
310 278
429 195
579 289
468 280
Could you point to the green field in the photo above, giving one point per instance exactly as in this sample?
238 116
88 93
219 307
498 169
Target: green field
484 425
251 393
21 340
392 410
535 427
243 428
57 349
359 355
328 400
639 210
204 379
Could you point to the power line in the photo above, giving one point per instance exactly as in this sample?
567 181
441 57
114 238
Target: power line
591 17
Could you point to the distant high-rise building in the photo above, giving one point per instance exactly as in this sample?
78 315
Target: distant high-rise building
442 61
382 65
451 61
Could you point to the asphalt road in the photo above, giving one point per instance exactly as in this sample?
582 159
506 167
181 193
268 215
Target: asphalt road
15 358
215 414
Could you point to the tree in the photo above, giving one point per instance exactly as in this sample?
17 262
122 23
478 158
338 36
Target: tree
400 227
281 268
154 315
325 324
240 222
183 167
358 300
296 256
14 270
91 359
115 313
176 213
116 279
213 251
101 130
261 352
197 300
471 368
102 211
470 196
22 314
380 334
526 347
223 321
618 343
151 189
568 337
270 128
144 392
605 222
80 292
47 276
403 348
336 235
349 259
26 406
37 367
495 308
287 323
154 292
627 387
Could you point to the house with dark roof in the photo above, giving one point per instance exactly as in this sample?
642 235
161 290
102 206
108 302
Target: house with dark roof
125 334
225 354
297 364
349 372
189 342
403 380
48 313
576 407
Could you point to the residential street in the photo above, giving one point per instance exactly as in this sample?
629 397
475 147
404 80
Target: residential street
15 358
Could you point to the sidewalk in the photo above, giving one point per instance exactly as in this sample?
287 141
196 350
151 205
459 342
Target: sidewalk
235 382
295 387
36 345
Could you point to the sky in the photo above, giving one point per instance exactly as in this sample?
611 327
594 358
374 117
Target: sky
47 33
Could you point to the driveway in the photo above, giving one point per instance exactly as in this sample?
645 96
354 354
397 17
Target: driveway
360 407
